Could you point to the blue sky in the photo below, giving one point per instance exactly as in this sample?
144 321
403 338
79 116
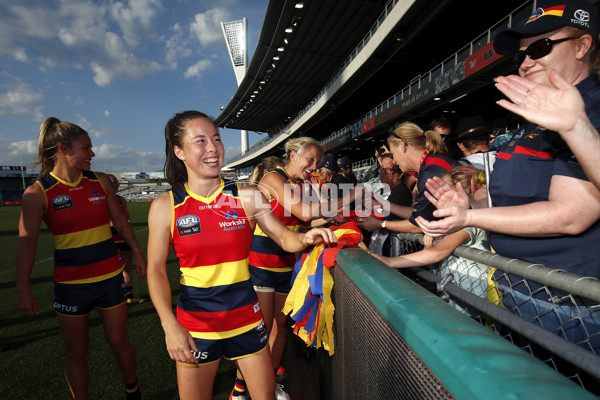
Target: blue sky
119 69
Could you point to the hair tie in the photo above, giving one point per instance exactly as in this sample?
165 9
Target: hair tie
480 177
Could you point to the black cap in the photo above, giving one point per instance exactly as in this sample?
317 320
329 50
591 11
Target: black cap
471 127
328 162
344 162
549 16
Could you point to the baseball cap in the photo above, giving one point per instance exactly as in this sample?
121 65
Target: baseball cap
328 162
344 162
472 127
548 16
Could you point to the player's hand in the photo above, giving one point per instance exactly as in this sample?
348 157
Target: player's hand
140 266
370 223
26 302
319 235
180 344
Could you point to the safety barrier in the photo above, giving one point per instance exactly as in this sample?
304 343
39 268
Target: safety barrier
394 339
462 280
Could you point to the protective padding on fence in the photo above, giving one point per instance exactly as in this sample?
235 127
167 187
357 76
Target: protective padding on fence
442 351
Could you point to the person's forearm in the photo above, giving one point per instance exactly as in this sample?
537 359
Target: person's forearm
402 226
24 261
292 242
535 219
403 212
126 232
419 259
160 294
584 142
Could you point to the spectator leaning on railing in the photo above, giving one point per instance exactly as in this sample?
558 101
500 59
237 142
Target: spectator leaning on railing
546 211
419 153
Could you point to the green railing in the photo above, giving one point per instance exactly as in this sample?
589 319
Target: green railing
470 360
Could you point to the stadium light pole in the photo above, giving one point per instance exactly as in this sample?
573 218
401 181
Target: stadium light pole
236 37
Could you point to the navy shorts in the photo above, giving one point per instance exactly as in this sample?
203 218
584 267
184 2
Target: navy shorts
270 281
80 298
243 345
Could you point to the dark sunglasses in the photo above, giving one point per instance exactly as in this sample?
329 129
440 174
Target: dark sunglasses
537 49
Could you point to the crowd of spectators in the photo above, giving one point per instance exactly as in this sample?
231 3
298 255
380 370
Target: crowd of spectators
143 193
538 204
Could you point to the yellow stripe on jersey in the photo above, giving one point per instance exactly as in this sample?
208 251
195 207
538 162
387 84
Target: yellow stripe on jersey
276 270
209 199
259 232
83 238
97 278
224 334
215 275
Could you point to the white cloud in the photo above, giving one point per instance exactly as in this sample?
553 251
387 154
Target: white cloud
106 113
134 17
176 47
114 158
82 122
18 153
82 23
196 70
66 33
93 131
110 38
18 97
117 62
207 26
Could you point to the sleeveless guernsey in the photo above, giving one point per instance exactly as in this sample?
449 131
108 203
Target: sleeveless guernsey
78 217
265 253
211 238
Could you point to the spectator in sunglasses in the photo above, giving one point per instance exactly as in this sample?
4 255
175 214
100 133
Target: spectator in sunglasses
546 210
397 192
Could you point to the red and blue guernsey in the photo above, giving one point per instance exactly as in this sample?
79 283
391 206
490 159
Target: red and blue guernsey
78 217
267 254
211 238
431 165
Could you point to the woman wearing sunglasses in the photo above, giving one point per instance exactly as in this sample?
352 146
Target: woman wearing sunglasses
546 210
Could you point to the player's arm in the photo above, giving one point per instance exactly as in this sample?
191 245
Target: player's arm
126 212
33 208
178 340
275 185
258 208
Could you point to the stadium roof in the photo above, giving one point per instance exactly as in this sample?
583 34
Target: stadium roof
325 32
310 43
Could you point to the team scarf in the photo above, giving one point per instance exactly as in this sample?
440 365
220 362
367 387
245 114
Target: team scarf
309 300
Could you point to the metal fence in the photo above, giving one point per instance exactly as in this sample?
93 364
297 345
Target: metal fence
562 327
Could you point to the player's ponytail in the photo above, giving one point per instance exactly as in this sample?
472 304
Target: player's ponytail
52 132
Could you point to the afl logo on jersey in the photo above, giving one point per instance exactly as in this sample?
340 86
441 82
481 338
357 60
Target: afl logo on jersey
231 214
188 225
61 202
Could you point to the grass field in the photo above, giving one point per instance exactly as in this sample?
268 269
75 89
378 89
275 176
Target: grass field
33 366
